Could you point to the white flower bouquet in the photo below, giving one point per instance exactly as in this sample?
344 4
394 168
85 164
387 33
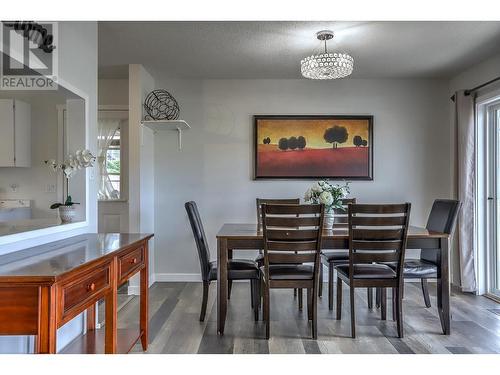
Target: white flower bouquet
330 195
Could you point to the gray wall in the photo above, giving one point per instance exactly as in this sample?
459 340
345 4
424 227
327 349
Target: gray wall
411 152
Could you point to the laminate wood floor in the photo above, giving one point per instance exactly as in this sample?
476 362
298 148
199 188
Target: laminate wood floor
174 325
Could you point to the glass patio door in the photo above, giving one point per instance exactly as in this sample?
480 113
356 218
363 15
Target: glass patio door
493 126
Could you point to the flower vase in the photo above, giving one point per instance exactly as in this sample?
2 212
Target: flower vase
67 213
328 220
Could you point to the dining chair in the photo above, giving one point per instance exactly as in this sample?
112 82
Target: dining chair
292 239
377 236
333 258
442 218
238 269
260 258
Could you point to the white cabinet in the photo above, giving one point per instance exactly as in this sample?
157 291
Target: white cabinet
15 133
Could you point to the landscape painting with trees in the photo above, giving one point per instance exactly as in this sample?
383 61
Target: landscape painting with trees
336 147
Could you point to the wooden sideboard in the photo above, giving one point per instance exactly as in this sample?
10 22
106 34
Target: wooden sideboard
44 287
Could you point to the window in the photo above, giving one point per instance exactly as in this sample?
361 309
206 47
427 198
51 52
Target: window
113 163
113 126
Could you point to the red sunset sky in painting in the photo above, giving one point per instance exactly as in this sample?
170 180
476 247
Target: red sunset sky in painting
313 148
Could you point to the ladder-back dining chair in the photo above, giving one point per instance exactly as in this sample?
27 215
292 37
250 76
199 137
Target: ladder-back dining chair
332 258
259 202
377 236
238 269
292 238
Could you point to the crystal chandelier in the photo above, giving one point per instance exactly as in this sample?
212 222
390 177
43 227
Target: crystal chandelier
326 65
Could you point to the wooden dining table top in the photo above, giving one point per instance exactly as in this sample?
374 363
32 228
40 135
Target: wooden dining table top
252 231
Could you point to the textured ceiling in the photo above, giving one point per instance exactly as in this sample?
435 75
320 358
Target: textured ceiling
218 50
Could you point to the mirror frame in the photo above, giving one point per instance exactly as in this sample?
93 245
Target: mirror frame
78 227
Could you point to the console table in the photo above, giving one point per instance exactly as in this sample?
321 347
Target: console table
44 287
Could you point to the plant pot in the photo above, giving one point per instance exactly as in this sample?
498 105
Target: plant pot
67 213
328 220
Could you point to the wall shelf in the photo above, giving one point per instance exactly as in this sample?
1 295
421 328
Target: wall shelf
170 125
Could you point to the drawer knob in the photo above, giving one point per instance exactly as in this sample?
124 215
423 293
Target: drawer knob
133 261
91 287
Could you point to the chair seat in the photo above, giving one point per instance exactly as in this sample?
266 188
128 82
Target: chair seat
335 257
237 269
417 268
368 271
290 271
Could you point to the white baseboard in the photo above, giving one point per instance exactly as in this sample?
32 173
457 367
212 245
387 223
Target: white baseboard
196 277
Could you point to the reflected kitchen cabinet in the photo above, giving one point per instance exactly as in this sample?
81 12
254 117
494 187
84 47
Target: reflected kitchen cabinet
15 133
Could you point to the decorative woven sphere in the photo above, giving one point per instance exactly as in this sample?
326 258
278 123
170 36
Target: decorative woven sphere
160 105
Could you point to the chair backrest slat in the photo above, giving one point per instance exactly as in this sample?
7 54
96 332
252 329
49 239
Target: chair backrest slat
284 258
379 221
378 233
378 208
292 209
297 245
261 201
369 234
292 234
293 221
297 240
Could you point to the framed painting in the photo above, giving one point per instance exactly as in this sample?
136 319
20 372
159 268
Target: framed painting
313 147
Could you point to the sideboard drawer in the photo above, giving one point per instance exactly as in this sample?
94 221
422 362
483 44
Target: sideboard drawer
80 291
130 263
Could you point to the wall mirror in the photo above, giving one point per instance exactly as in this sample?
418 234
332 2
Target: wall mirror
38 126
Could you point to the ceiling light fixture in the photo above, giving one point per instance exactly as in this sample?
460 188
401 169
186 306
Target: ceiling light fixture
327 65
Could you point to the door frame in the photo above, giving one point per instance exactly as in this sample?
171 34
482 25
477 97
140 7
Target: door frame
487 196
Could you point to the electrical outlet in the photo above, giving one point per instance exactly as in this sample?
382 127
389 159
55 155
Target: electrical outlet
50 188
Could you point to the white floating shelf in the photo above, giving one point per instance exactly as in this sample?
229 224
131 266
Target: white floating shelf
171 125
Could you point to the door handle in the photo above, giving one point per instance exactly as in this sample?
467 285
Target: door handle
490 198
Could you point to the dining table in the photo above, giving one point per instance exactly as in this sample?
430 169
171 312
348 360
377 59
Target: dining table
250 237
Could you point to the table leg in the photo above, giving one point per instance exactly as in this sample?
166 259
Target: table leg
443 288
91 318
111 316
222 251
144 319
45 342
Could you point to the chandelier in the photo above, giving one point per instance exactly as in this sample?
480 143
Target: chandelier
326 65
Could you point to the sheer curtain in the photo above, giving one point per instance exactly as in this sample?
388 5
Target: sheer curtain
107 130
466 184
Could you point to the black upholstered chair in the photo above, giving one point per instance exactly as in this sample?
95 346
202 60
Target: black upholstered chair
238 269
442 218
333 258
377 236
292 237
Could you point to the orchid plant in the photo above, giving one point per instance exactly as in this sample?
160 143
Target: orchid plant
330 195
81 159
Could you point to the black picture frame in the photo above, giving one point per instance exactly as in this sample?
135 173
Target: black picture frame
257 118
